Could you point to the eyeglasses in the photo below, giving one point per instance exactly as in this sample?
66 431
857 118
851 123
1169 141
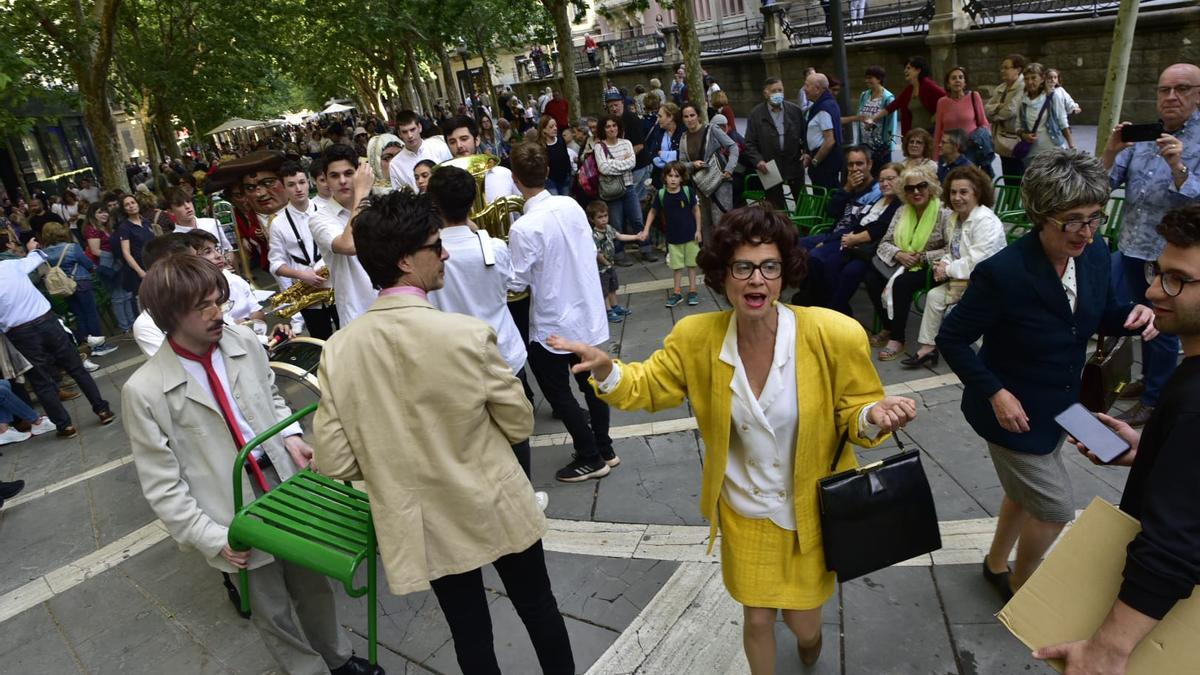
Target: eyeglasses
743 269
436 247
214 310
264 184
919 187
1172 283
1181 89
1094 223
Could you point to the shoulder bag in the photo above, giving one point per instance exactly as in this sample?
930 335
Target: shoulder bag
589 175
876 515
708 179
612 188
59 284
1003 138
1021 150
1106 373
980 146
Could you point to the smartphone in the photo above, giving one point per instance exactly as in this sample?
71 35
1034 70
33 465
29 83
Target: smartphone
1103 442
1137 133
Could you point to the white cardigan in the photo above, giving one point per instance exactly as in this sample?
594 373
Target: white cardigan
978 238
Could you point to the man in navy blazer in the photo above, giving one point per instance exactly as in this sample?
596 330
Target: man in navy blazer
1036 304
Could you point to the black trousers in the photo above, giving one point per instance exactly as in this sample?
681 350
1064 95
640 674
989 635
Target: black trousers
1011 166
553 374
527 583
47 346
320 321
903 289
775 194
828 174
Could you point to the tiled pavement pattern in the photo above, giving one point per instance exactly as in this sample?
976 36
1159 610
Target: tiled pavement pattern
91 584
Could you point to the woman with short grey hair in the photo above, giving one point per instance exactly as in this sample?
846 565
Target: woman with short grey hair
1036 304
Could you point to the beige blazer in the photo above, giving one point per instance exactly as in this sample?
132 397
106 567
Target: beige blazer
182 448
420 405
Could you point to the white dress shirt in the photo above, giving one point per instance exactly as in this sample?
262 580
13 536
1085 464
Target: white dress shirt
148 336
211 226
20 300
352 289
480 290
291 244
241 298
554 255
400 169
499 183
195 370
1070 284
321 202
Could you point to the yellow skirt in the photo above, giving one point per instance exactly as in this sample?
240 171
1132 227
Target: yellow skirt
762 565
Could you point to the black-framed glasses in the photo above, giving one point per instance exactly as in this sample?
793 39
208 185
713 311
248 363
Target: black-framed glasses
919 187
1172 283
264 184
744 269
1181 89
436 247
1095 223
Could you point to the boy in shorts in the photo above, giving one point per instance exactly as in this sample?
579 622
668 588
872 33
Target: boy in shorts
604 236
680 211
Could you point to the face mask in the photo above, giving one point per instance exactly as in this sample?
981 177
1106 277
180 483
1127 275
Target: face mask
776 100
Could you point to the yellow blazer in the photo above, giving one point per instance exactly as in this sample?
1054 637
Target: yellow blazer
835 380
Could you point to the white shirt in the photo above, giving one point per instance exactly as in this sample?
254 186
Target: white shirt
817 126
195 370
400 169
90 195
1070 284
286 249
241 296
480 290
352 289
498 183
20 301
762 447
553 254
321 202
148 336
211 226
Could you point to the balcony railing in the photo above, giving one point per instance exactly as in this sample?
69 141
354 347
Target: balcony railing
730 35
809 23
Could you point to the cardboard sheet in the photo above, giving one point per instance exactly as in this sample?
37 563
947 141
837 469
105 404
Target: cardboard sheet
1069 596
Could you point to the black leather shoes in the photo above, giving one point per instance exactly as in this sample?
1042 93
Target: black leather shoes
915 361
11 489
1001 581
357 666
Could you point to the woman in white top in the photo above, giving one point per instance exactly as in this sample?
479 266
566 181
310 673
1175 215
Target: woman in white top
975 234
1046 129
615 157
1053 83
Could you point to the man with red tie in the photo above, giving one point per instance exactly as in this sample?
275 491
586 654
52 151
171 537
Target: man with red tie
188 410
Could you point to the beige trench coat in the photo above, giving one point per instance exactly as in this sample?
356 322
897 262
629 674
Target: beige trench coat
420 405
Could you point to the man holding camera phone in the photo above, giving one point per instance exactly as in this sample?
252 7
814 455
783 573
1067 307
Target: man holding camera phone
1157 175
1162 563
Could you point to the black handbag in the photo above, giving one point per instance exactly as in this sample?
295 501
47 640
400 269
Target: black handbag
876 515
1105 374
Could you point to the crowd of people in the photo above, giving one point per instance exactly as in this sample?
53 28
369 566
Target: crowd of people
434 318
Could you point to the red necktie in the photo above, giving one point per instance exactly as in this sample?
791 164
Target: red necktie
218 391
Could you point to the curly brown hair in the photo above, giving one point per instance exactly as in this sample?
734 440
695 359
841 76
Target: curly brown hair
754 224
985 194
1181 226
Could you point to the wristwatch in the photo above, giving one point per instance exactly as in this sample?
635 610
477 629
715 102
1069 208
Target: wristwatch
1181 173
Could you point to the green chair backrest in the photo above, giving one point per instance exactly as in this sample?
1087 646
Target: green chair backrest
1116 214
1008 198
753 194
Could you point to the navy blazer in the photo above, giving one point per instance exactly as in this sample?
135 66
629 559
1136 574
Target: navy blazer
1033 345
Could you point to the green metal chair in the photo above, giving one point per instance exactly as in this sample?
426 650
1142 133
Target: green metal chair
810 215
752 195
1116 213
1009 208
312 521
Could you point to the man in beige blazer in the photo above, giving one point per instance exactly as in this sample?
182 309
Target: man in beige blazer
188 410
421 405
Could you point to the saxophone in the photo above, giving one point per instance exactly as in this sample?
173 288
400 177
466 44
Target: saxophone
300 296
494 218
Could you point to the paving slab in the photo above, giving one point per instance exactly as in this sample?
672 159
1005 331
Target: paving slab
658 481
38 540
876 605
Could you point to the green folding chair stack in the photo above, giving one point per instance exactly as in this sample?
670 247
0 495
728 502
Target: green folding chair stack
1009 209
312 521
810 215
753 194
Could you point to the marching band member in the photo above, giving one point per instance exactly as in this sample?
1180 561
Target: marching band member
352 290
400 169
462 137
294 257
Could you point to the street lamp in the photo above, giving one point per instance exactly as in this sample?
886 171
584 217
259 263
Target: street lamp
463 52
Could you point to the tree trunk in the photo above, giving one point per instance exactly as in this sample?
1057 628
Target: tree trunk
166 131
566 54
410 61
689 44
97 117
452 93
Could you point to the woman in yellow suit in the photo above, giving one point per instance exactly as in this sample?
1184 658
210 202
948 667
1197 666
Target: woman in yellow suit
773 388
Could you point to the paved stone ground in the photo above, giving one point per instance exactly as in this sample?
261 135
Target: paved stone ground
92 584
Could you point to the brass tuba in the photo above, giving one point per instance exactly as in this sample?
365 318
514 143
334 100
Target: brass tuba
495 218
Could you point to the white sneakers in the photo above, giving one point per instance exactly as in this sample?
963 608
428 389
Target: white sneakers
103 350
42 426
95 340
14 436
543 499
90 366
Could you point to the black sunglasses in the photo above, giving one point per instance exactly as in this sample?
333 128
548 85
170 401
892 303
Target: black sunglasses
919 187
436 247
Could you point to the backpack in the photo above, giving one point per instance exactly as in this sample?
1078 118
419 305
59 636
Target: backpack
687 193
589 176
59 284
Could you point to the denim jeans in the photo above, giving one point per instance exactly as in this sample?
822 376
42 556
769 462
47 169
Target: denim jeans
1160 355
83 306
47 346
123 306
625 216
562 189
12 407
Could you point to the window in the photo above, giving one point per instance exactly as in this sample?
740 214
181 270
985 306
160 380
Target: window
732 8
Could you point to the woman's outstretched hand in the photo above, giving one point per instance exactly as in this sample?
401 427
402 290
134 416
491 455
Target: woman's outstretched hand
892 413
590 358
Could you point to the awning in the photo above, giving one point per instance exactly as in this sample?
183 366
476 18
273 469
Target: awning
336 108
236 123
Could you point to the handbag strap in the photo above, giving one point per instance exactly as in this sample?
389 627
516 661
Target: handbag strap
974 109
62 255
1038 120
837 455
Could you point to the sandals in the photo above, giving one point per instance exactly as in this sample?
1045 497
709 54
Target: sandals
889 354
880 339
